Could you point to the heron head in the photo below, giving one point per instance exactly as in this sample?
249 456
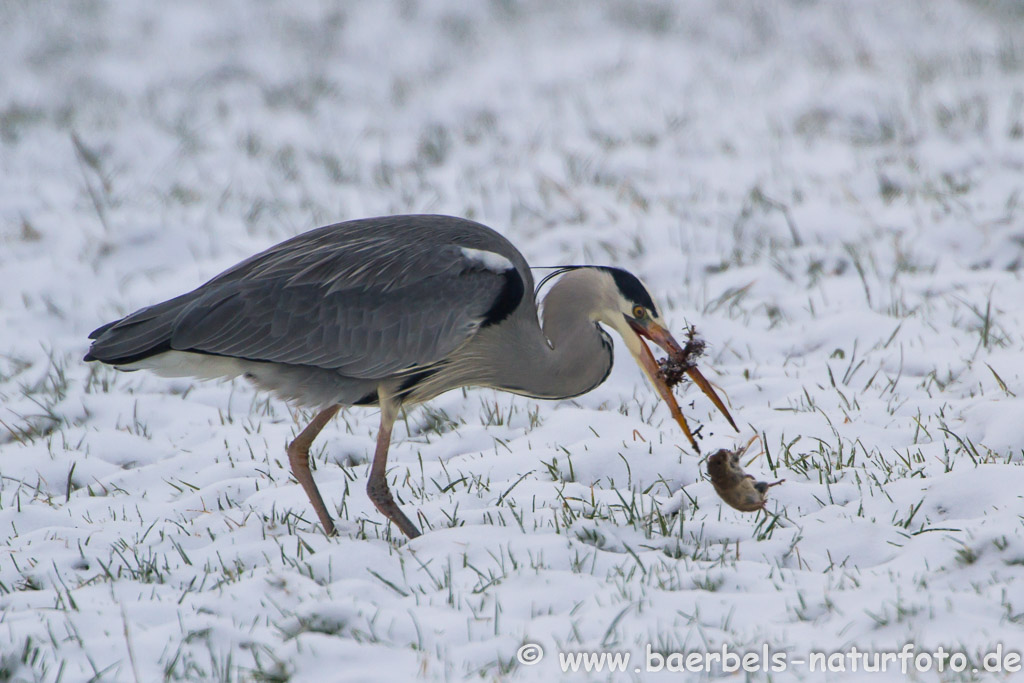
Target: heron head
630 310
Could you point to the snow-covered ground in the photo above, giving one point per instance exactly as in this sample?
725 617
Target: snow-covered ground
831 192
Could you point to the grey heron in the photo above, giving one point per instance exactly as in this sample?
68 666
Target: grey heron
394 311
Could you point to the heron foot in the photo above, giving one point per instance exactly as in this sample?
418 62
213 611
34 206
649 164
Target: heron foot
380 495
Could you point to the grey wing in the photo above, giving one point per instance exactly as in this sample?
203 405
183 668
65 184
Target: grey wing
367 331
366 298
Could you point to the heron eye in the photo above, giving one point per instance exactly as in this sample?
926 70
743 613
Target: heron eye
639 312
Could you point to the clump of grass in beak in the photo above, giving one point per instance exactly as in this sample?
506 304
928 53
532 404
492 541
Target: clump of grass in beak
667 374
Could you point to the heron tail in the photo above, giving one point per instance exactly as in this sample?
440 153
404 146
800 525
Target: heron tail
144 333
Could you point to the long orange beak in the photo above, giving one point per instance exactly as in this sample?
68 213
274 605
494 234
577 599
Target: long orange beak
660 336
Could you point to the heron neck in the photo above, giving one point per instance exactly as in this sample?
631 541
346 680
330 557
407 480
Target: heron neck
566 355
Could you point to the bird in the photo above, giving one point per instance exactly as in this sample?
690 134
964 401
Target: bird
389 312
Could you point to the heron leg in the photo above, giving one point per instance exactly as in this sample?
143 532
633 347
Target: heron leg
298 456
377 486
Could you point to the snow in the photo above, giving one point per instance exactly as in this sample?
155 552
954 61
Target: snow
830 192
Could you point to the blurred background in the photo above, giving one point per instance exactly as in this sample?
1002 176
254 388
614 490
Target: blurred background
679 137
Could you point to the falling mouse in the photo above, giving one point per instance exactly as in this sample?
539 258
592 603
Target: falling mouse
737 488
